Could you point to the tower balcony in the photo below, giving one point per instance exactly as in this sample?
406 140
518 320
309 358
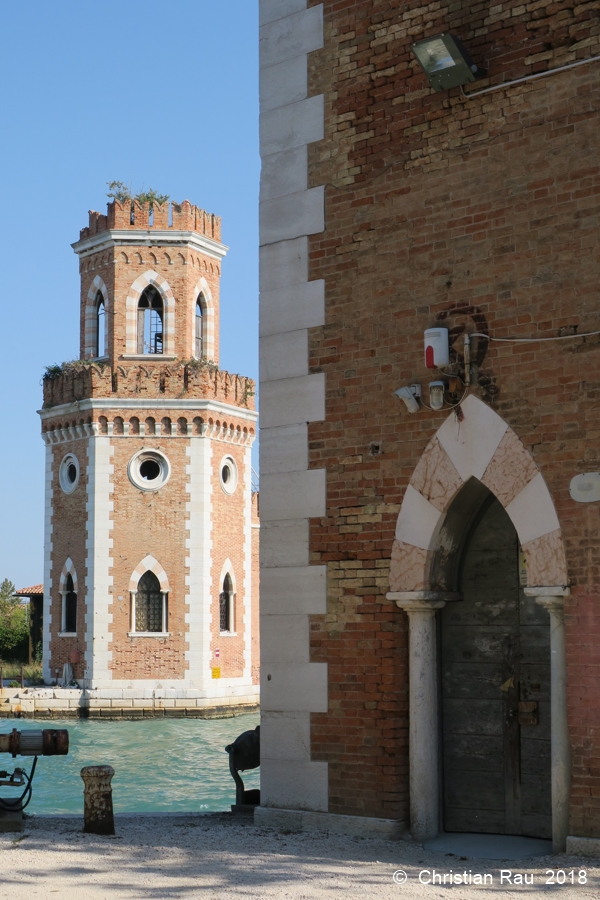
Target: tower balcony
194 379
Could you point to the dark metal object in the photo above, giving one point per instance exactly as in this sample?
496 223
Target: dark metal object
244 754
528 712
149 598
12 779
445 61
49 742
98 815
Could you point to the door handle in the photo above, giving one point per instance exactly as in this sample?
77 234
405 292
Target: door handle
528 712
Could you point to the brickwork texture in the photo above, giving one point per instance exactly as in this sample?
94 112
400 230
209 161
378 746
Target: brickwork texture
476 213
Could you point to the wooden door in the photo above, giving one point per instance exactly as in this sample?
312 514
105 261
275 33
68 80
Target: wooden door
495 665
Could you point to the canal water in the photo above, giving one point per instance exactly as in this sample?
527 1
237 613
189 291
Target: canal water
161 765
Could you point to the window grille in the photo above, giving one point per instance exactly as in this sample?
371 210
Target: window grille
226 606
70 608
150 322
199 347
149 604
100 325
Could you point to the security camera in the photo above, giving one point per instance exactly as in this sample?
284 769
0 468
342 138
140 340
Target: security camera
409 394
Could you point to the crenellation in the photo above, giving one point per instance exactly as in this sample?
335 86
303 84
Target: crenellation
140 214
161 215
194 380
183 216
132 215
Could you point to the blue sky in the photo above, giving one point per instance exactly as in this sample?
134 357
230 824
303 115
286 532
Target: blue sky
153 94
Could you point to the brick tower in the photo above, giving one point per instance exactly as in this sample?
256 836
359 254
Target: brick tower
151 519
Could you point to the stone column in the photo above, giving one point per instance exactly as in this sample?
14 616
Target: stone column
552 599
423 709
98 815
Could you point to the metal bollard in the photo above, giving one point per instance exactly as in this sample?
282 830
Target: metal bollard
98 815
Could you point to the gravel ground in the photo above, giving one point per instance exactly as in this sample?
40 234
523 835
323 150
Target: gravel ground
219 858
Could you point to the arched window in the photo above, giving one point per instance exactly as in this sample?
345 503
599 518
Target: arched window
226 606
150 322
149 605
199 348
69 607
100 325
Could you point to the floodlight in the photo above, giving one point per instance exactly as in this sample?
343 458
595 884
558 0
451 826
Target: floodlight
445 61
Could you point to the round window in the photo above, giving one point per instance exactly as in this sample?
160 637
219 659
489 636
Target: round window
229 475
149 470
69 473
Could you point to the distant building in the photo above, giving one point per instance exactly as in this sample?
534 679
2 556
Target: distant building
430 568
151 579
35 596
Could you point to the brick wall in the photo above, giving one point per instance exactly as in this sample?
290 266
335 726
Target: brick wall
149 523
178 265
228 544
478 213
182 269
69 542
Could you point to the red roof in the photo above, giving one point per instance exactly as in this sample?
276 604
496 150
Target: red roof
30 591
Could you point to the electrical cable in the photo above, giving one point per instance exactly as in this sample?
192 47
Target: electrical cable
17 805
562 337
505 84
453 406
450 374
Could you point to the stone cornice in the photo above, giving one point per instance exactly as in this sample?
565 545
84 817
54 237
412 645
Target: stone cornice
149 237
138 403
422 601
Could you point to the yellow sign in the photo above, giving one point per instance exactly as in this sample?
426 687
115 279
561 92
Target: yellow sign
216 672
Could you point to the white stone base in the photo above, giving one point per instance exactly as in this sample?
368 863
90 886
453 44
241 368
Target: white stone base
122 702
583 846
306 820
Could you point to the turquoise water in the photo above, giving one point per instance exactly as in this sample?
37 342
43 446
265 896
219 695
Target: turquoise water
161 765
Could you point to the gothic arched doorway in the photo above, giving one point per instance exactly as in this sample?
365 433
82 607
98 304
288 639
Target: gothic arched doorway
495 687
472 456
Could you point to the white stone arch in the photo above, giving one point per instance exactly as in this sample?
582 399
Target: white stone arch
67 569
91 317
208 319
475 445
478 445
149 564
227 569
135 292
